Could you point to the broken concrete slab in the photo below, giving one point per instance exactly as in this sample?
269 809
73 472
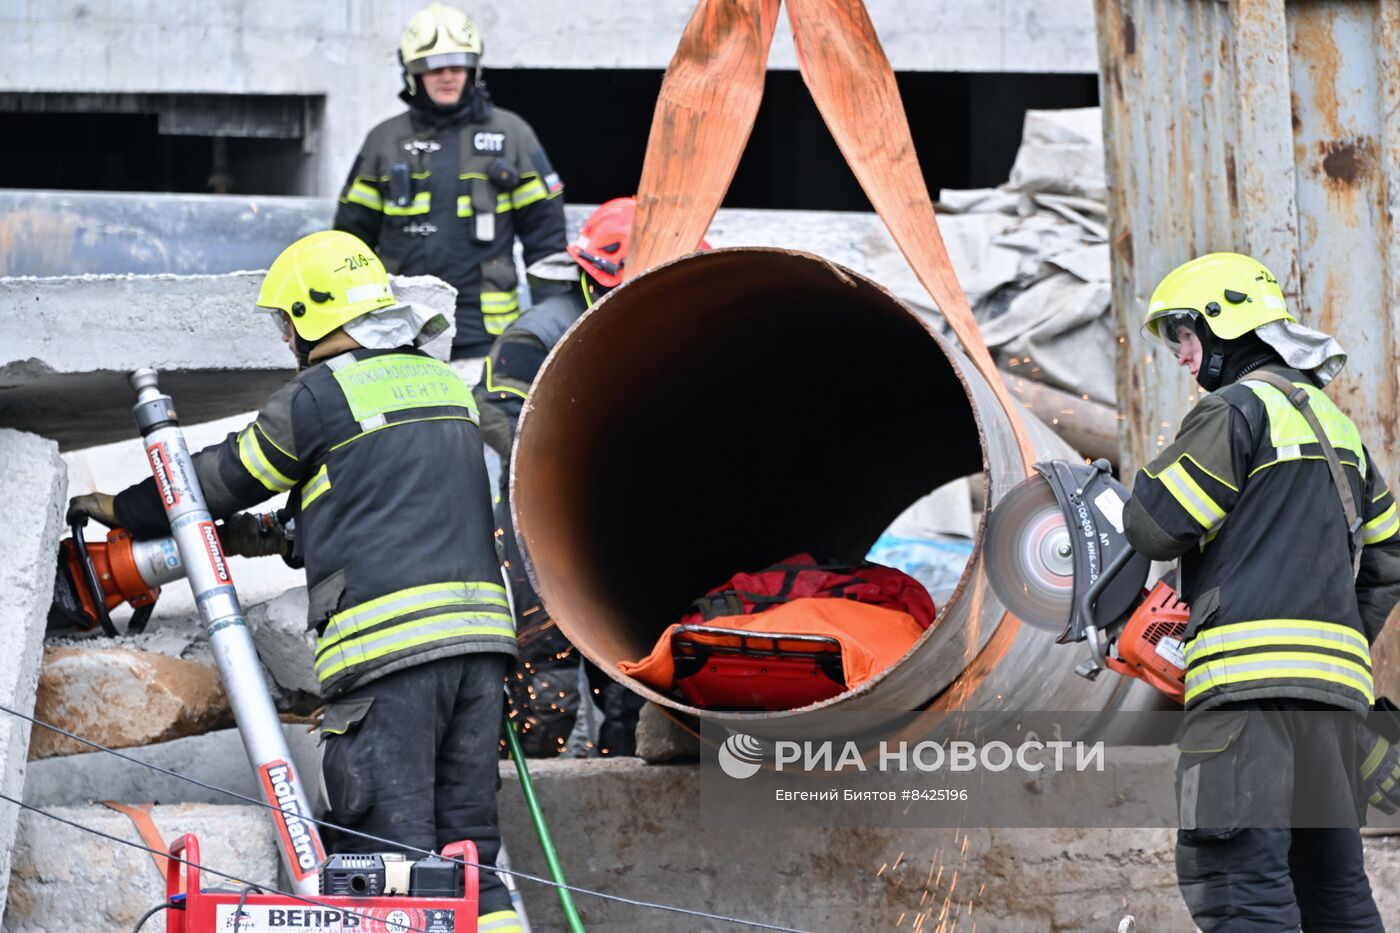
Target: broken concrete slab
33 496
216 758
64 879
286 647
68 343
123 698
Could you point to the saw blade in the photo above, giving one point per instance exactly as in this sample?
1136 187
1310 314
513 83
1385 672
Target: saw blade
1029 555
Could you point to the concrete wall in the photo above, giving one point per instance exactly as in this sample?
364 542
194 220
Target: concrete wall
345 51
32 502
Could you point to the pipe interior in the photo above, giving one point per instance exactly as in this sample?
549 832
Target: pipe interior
719 414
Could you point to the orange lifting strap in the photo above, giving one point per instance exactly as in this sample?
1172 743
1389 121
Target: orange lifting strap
706 111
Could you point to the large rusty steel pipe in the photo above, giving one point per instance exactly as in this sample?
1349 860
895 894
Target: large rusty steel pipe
729 409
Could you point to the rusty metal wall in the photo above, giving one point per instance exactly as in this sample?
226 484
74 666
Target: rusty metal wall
1266 127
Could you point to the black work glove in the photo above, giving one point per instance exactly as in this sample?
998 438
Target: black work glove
95 505
254 535
1380 770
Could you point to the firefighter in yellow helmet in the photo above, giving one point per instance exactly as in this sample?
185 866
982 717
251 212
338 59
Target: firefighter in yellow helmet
1289 549
447 188
377 444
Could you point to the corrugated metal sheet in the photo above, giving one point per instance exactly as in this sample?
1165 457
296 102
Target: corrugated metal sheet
1266 127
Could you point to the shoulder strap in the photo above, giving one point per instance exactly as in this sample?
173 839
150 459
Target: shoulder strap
1299 397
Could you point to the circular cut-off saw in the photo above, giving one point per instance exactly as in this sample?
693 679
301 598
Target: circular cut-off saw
1057 556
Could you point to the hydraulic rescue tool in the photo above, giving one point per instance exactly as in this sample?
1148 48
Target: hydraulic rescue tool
1057 557
201 556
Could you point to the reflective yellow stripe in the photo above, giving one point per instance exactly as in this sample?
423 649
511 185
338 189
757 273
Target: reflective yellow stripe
500 302
491 385
1381 527
365 195
412 634
496 323
251 455
464 205
1280 665
502 203
401 602
499 310
1282 632
499 921
528 193
399 424
421 204
318 485
1197 464
1192 497
1373 760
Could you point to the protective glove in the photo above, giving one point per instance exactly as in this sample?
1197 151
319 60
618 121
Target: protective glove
95 505
254 535
1380 770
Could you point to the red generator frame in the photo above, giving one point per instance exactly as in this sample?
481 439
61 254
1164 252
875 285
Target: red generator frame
193 910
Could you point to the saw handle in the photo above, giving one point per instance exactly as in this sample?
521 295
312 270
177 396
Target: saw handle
1098 659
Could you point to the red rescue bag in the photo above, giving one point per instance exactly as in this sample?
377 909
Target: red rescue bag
800 577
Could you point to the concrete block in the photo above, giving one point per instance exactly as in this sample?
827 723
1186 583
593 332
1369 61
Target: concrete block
64 360
661 741
33 495
217 758
286 648
122 698
64 879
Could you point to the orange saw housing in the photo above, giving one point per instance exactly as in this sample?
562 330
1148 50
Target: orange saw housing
1150 645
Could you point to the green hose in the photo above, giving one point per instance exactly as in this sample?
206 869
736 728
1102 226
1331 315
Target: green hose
532 802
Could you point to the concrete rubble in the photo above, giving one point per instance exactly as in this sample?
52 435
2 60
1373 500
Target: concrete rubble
33 497
286 647
660 740
65 880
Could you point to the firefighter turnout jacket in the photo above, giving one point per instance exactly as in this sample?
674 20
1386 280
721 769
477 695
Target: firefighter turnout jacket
1245 498
448 198
382 457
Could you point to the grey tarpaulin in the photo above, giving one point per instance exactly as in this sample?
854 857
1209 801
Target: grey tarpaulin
1032 257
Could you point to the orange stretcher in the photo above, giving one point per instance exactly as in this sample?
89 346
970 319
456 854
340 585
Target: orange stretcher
790 656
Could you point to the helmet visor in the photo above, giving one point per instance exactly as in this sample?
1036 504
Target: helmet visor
277 320
444 60
1169 326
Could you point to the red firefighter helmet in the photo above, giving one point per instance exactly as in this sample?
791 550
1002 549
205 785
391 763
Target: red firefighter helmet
603 242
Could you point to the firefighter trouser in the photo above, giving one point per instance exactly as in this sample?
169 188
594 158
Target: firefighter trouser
1251 776
416 761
